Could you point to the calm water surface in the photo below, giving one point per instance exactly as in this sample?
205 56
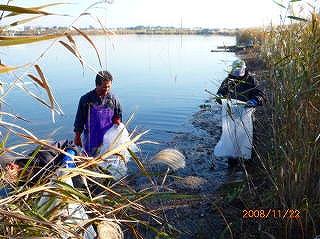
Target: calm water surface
160 78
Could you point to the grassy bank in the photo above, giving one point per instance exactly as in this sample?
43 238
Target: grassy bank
286 183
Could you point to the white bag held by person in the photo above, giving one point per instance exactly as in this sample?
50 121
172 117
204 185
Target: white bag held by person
117 135
237 130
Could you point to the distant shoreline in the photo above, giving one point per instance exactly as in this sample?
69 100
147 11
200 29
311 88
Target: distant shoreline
124 31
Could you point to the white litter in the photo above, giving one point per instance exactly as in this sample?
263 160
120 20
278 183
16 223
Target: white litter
73 213
116 136
237 130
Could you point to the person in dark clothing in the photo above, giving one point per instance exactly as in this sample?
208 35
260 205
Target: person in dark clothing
240 85
38 167
97 111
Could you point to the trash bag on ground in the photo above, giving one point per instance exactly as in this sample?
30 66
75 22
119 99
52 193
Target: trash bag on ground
117 165
237 130
73 213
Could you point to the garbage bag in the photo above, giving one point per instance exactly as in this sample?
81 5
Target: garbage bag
237 130
73 213
117 135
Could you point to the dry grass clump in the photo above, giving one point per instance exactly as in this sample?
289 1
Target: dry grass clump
170 157
109 230
245 35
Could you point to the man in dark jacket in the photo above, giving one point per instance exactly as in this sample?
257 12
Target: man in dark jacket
240 85
98 110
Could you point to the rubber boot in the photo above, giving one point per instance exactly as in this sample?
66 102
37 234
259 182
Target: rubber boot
233 162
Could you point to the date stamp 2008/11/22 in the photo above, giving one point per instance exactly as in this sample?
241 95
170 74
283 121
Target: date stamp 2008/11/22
270 213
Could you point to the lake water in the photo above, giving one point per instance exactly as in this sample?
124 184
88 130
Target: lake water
160 78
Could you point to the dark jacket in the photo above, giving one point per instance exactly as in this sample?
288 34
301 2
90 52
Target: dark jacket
241 88
92 98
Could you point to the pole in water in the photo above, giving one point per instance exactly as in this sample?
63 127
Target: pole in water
105 38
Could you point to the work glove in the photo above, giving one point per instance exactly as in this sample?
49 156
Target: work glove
251 103
77 140
116 120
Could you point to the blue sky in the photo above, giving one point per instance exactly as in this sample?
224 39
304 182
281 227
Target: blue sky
200 13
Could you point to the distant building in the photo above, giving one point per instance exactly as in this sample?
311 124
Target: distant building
205 31
27 28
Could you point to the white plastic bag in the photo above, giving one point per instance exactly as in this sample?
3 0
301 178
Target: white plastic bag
74 213
117 135
237 130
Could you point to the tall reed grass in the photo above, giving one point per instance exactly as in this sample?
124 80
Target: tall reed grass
291 52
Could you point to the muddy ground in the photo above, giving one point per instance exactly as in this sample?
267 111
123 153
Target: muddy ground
205 176
202 176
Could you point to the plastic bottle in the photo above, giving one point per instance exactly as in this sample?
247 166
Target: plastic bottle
68 160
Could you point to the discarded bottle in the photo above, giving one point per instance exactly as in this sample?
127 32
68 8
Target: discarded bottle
4 192
68 160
